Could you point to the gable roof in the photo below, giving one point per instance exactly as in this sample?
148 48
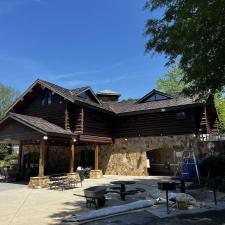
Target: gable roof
38 124
70 95
153 92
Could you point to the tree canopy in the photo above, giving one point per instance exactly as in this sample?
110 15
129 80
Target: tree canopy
193 33
171 82
7 97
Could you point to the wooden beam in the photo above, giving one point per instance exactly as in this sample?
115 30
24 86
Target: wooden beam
95 139
71 169
20 157
96 156
82 120
42 158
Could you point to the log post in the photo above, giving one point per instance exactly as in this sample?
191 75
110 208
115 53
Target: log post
42 158
96 156
20 157
71 169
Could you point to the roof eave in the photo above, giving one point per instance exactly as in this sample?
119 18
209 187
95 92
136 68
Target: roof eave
170 108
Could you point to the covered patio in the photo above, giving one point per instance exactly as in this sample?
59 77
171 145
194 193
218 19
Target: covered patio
46 149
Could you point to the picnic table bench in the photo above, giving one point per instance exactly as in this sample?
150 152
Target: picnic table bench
62 182
121 190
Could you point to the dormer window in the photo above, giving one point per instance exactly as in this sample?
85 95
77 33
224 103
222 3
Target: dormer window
88 95
84 95
154 95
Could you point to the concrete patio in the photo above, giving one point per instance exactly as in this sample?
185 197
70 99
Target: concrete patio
22 206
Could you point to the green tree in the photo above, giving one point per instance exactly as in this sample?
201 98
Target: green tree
7 97
171 82
220 106
192 32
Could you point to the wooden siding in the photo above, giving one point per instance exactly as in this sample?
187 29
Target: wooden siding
54 113
153 124
95 139
14 130
75 118
97 123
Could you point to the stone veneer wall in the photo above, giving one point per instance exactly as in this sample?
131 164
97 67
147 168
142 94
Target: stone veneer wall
128 157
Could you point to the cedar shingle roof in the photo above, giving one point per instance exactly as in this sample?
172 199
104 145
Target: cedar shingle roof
40 124
178 100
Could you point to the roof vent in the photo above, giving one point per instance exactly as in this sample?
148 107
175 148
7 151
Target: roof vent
108 96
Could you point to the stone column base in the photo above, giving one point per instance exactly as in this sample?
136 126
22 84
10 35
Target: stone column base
38 182
74 176
96 174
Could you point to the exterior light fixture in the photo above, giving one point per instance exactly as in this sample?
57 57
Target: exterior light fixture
163 110
125 139
194 135
74 140
45 137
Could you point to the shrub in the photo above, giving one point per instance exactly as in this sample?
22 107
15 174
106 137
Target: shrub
3 152
214 166
11 157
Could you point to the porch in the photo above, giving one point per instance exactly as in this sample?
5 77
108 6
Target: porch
46 149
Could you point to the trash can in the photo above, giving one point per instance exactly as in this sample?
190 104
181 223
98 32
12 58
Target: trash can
81 175
189 170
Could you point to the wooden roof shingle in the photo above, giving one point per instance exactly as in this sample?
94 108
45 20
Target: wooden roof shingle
39 124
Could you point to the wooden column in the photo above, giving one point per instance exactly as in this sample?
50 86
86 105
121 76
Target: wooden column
20 157
42 158
71 169
96 156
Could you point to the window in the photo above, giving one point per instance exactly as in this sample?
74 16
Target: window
156 97
49 98
180 115
84 95
46 98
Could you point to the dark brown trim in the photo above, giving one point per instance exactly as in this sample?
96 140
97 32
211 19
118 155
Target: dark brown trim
172 108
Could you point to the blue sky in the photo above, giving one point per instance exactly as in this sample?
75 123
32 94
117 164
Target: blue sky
76 43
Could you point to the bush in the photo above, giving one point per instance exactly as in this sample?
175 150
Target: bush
11 157
214 166
3 152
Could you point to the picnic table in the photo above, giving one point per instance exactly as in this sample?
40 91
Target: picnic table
122 189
